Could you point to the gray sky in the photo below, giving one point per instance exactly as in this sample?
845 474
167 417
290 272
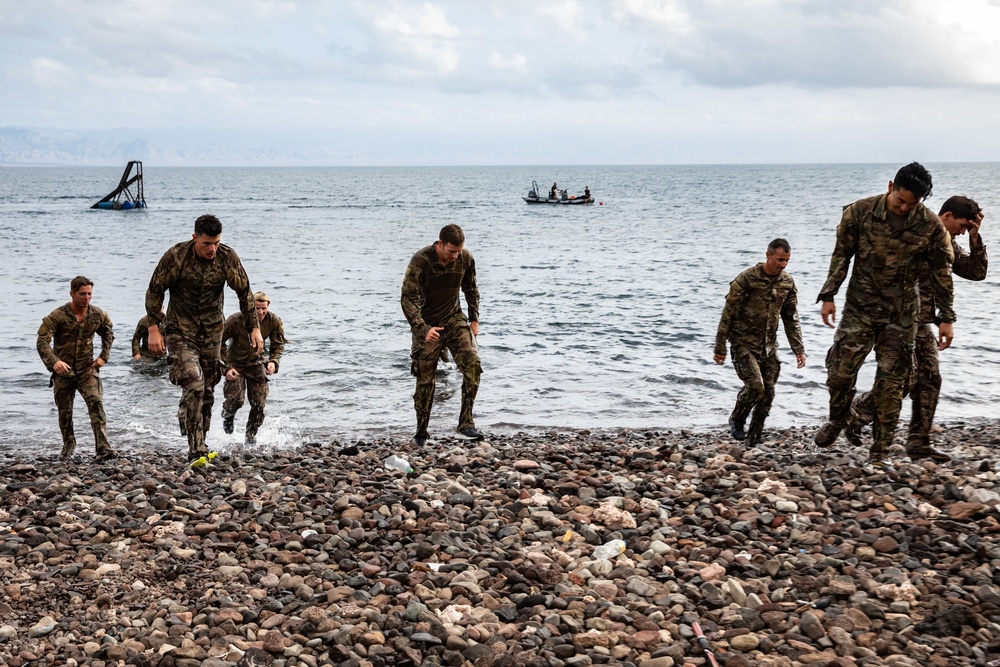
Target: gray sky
515 82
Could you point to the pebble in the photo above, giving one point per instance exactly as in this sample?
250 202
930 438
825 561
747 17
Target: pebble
784 554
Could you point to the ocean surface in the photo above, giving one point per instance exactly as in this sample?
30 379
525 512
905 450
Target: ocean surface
597 317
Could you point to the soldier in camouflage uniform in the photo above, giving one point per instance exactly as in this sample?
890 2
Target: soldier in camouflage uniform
246 371
196 272
140 342
431 305
889 236
959 215
72 363
757 298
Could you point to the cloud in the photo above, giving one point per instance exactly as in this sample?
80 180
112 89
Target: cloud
837 43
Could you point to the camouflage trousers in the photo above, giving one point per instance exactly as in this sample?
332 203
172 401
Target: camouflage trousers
196 368
854 340
250 384
924 389
92 390
456 337
759 373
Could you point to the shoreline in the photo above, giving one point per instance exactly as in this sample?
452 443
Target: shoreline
484 555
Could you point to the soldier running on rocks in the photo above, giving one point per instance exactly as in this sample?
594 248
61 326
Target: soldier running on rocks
246 371
757 298
431 305
72 363
888 236
196 272
959 215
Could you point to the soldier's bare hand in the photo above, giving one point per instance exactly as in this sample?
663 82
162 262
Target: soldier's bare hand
136 357
257 341
434 334
946 333
61 368
156 341
271 368
720 359
475 328
98 362
829 313
232 374
800 360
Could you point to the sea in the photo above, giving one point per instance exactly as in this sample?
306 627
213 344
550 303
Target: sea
599 317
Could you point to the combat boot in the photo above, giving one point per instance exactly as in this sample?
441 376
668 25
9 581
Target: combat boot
826 436
67 450
927 452
228 423
853 434
753 434
736 428
105 454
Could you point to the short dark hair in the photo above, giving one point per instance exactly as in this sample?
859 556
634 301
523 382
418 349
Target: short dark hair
915 178
208 225
962 207
452 234
80 281
778 244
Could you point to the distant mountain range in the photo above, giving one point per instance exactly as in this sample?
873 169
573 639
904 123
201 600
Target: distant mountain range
39 147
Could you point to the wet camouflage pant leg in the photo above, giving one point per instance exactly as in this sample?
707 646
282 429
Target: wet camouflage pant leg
256 381
926 388
759 375
234 393
456 337
194 367
92 391
852 343
863 405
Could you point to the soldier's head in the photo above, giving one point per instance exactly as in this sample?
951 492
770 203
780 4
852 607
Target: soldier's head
778 254
449 245
960 214
207 236
911 186
81 289
261 303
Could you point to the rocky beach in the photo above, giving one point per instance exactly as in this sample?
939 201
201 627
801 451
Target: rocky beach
549 549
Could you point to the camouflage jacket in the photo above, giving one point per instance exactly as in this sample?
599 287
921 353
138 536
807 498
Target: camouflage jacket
196 291
969 265
140 339
239 353
74 341
750 318
430 291
888 263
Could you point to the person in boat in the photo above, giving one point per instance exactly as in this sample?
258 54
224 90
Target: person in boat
757 298
430 302
246 370
959 215
586 192
71 361
195 272
553 192
887 236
